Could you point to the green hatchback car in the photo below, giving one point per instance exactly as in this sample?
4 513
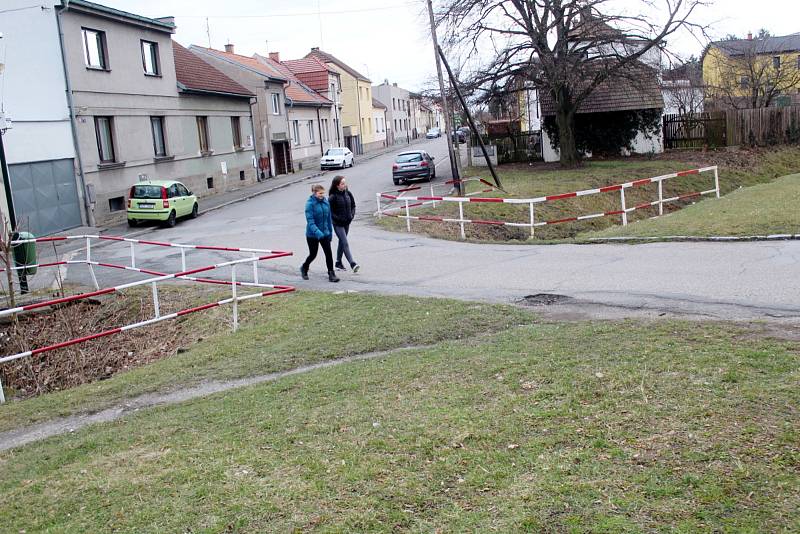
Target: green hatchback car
160 200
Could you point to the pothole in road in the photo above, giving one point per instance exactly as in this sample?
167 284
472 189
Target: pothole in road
544 299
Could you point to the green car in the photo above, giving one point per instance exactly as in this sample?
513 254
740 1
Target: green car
160 200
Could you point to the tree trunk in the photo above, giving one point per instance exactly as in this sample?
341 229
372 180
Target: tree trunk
565 120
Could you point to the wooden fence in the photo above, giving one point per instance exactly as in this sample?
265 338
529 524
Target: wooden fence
750 127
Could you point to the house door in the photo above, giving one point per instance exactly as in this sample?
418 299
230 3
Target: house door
279 153
45 196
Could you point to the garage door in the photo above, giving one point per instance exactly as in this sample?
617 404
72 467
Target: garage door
45 196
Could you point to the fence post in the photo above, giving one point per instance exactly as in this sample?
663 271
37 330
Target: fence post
408 218
624 212
661 197
89 260
183 259
378 200
716 179
255 268
2 396
235 299
432 194
156 306
532 220
133 255
461 218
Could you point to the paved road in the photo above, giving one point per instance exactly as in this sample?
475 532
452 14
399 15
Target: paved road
727 280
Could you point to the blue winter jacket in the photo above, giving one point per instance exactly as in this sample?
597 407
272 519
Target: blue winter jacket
318 218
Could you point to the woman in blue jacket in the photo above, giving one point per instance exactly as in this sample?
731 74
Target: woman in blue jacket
319 230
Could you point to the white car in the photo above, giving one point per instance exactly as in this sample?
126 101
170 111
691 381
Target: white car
433 133
336 158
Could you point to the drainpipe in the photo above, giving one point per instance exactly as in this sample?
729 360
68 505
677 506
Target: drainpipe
289 129
360 132
319 127
90 221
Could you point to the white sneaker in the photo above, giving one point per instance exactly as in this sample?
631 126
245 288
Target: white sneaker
356 268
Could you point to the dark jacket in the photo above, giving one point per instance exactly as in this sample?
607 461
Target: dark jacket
318 218
343 207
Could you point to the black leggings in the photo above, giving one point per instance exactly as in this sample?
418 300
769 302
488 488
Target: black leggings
313 247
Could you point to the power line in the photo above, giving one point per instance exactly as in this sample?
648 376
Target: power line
305 14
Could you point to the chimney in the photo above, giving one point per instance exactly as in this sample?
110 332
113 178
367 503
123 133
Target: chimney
315 49
229 48
275 56
395 84
749 36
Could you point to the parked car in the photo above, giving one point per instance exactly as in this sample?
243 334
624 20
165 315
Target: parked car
459 135
412 165
164 201
433 133
336 158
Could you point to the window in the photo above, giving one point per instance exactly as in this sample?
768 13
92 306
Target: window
182 191
159 142
776 62
210 182
94 49
311 132
237 132
150 61
394 104
202 134
333 92
326 135
116 204
276 104
241 175
173 192
296 132
103 127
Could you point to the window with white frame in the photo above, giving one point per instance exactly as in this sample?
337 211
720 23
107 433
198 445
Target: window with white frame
94 48
103 128
276 104
150 61
296 132
159 141
311 132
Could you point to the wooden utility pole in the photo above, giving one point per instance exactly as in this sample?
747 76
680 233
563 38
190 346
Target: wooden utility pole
445 107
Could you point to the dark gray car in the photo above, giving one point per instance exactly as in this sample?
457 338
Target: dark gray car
413 165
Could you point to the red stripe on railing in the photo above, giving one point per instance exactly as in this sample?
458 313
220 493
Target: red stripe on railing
48 239
430 218
642 206
75 341
64 300
616 212
208 247
417 188
485 199
557 221
156 243
642 182
687 173
198 308
559 197
387 195
492 223
689 195
429 198
610 188
490 184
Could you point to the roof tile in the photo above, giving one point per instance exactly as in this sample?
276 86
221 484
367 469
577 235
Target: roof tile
196 75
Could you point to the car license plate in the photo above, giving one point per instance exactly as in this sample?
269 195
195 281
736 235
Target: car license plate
147 205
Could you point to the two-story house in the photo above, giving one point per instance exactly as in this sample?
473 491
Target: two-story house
328 83
398 111
356 98
136 119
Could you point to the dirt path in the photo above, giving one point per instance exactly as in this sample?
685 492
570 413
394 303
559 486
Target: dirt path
55 427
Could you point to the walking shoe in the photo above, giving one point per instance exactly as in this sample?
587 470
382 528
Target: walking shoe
340 266
304 272
356 267
332 276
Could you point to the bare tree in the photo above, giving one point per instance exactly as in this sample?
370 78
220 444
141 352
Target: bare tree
566 48
749 73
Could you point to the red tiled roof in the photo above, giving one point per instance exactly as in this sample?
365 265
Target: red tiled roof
245 61
296 90
311 71
329 58
194 74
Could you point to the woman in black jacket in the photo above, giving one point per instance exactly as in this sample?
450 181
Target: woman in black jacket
343 210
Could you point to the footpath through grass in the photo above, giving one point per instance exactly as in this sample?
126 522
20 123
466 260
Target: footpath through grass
275 334
742 168
771 208
582 427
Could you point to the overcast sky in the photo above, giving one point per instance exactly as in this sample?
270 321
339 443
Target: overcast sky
391 38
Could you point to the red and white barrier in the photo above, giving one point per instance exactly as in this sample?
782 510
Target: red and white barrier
624 210
257 255
398 195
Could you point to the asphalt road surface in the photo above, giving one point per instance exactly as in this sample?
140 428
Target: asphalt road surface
744 280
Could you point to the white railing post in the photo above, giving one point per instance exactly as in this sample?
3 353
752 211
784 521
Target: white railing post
378 200
408 218
156 305
183 259
461 218
133 255
235 299
716 180
624 209
433 195
255 268
2 395
661 197
532 219
89 262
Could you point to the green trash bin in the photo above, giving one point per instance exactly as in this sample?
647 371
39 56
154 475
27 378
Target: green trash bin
25 253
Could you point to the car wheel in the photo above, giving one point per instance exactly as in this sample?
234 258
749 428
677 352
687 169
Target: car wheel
170 222
133 223
194 211
352 162
396 182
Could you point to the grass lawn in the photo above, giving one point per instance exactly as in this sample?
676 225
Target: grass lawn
770 208
737 169
580 427
275 334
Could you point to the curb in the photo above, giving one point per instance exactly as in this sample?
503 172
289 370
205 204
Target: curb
772 237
